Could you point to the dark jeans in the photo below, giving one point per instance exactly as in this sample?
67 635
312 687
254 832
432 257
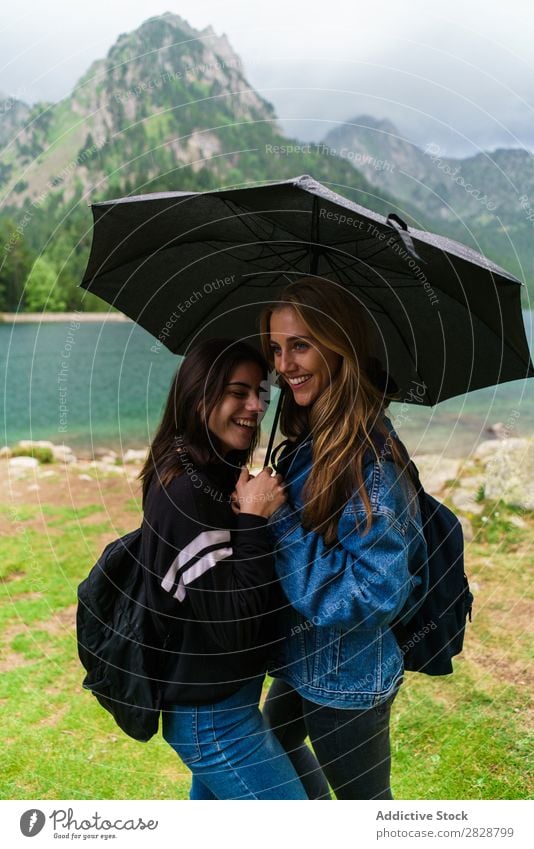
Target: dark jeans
352 746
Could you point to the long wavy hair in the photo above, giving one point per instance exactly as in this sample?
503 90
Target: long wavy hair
343 417
197 387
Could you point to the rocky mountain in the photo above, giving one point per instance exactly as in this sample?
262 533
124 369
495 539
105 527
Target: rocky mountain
155 102
13 116
168 108
486 200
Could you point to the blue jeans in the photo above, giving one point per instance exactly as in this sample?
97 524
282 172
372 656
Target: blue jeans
230 750
352 746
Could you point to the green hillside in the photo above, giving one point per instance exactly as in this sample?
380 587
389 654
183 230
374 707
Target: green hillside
169 108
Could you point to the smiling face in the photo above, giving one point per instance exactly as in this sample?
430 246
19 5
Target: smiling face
306 365
236 416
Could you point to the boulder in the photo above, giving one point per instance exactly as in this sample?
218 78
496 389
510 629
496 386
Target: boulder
435 471
106 468
499 430
465 500
108 459
517 521
132 455
510 473
23 463
489 447
467 528
35 443
99 453
63 454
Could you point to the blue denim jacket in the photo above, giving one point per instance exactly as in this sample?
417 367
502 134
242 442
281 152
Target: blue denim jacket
339 649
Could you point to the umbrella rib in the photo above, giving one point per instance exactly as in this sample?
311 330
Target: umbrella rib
339 271
501 338
217 306
401 337
246 221
267 254
415 284
234 207
336 268
464 304
410 355
310 245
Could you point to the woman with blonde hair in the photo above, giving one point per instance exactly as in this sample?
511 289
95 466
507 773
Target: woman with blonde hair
347 542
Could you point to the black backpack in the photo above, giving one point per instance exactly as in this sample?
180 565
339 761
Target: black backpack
118 641
430 635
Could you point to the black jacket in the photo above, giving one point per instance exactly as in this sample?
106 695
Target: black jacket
210 584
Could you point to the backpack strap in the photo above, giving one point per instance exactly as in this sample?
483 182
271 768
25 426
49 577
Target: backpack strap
385 454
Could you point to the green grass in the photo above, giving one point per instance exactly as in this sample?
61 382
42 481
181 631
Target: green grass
58 742
459 738
494 525
464 736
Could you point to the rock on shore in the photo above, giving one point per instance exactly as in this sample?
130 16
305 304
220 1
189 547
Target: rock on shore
510 472
499 469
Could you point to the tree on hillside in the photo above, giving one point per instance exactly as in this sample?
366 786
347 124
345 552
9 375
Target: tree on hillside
41 291
15 263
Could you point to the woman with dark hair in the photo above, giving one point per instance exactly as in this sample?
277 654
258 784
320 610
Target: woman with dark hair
346 542
210 574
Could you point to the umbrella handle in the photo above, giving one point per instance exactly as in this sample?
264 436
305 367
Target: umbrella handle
273 431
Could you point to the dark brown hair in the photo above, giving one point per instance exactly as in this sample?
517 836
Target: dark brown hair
197 387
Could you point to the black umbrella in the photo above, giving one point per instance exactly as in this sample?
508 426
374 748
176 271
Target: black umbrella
187 266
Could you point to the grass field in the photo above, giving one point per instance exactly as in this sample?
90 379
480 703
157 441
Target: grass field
464 736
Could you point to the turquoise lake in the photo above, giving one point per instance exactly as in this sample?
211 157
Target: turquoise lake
99 385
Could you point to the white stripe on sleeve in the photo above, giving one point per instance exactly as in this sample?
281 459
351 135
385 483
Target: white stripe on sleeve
202 541
197 569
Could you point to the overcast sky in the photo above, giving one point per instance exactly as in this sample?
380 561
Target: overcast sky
461 76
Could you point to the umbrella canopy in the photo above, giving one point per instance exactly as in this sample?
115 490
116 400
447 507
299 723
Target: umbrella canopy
186 266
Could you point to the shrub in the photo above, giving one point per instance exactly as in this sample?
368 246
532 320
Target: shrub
41 453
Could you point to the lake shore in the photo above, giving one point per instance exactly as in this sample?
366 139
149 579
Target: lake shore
115 382
500 469
58 317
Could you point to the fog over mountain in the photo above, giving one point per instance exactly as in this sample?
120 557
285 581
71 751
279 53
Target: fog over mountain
460 76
